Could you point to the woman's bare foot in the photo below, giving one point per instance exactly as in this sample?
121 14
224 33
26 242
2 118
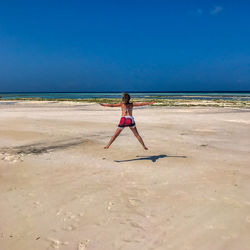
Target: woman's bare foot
106 147
145 148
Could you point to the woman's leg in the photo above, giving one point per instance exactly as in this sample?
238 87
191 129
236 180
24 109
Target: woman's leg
117 132
134 130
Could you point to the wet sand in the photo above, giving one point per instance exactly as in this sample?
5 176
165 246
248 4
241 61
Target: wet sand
59 189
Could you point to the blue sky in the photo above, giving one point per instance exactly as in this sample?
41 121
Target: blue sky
124 45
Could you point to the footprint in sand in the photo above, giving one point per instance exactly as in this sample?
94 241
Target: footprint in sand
59 212
133 202
56 243
71 221
83 245
72 227
37 203
110 205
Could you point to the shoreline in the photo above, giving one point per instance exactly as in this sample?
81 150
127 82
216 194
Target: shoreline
158 102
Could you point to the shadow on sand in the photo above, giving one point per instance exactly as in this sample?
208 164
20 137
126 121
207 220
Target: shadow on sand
152 158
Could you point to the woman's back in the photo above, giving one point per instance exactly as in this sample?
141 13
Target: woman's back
127 109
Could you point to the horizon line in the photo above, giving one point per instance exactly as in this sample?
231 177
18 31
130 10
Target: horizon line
160 91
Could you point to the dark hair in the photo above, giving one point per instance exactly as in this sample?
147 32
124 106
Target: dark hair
125 98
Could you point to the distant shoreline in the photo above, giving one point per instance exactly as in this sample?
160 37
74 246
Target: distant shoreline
158 102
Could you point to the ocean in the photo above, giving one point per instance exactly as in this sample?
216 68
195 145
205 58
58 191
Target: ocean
241 95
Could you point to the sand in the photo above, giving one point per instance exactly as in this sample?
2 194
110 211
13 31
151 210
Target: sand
59 189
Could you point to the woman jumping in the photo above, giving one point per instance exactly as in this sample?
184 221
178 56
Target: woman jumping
127 120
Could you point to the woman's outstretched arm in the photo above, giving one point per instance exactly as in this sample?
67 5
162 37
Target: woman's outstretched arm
142 103
111 105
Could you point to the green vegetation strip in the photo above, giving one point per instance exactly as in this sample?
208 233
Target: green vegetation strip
158 102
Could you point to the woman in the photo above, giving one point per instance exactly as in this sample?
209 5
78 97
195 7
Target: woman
127 120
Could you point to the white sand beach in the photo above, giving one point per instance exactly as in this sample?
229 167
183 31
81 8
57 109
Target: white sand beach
59 189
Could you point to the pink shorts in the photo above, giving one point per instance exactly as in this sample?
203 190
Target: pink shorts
126 121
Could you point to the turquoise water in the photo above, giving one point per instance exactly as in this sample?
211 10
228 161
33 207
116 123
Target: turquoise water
152 95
